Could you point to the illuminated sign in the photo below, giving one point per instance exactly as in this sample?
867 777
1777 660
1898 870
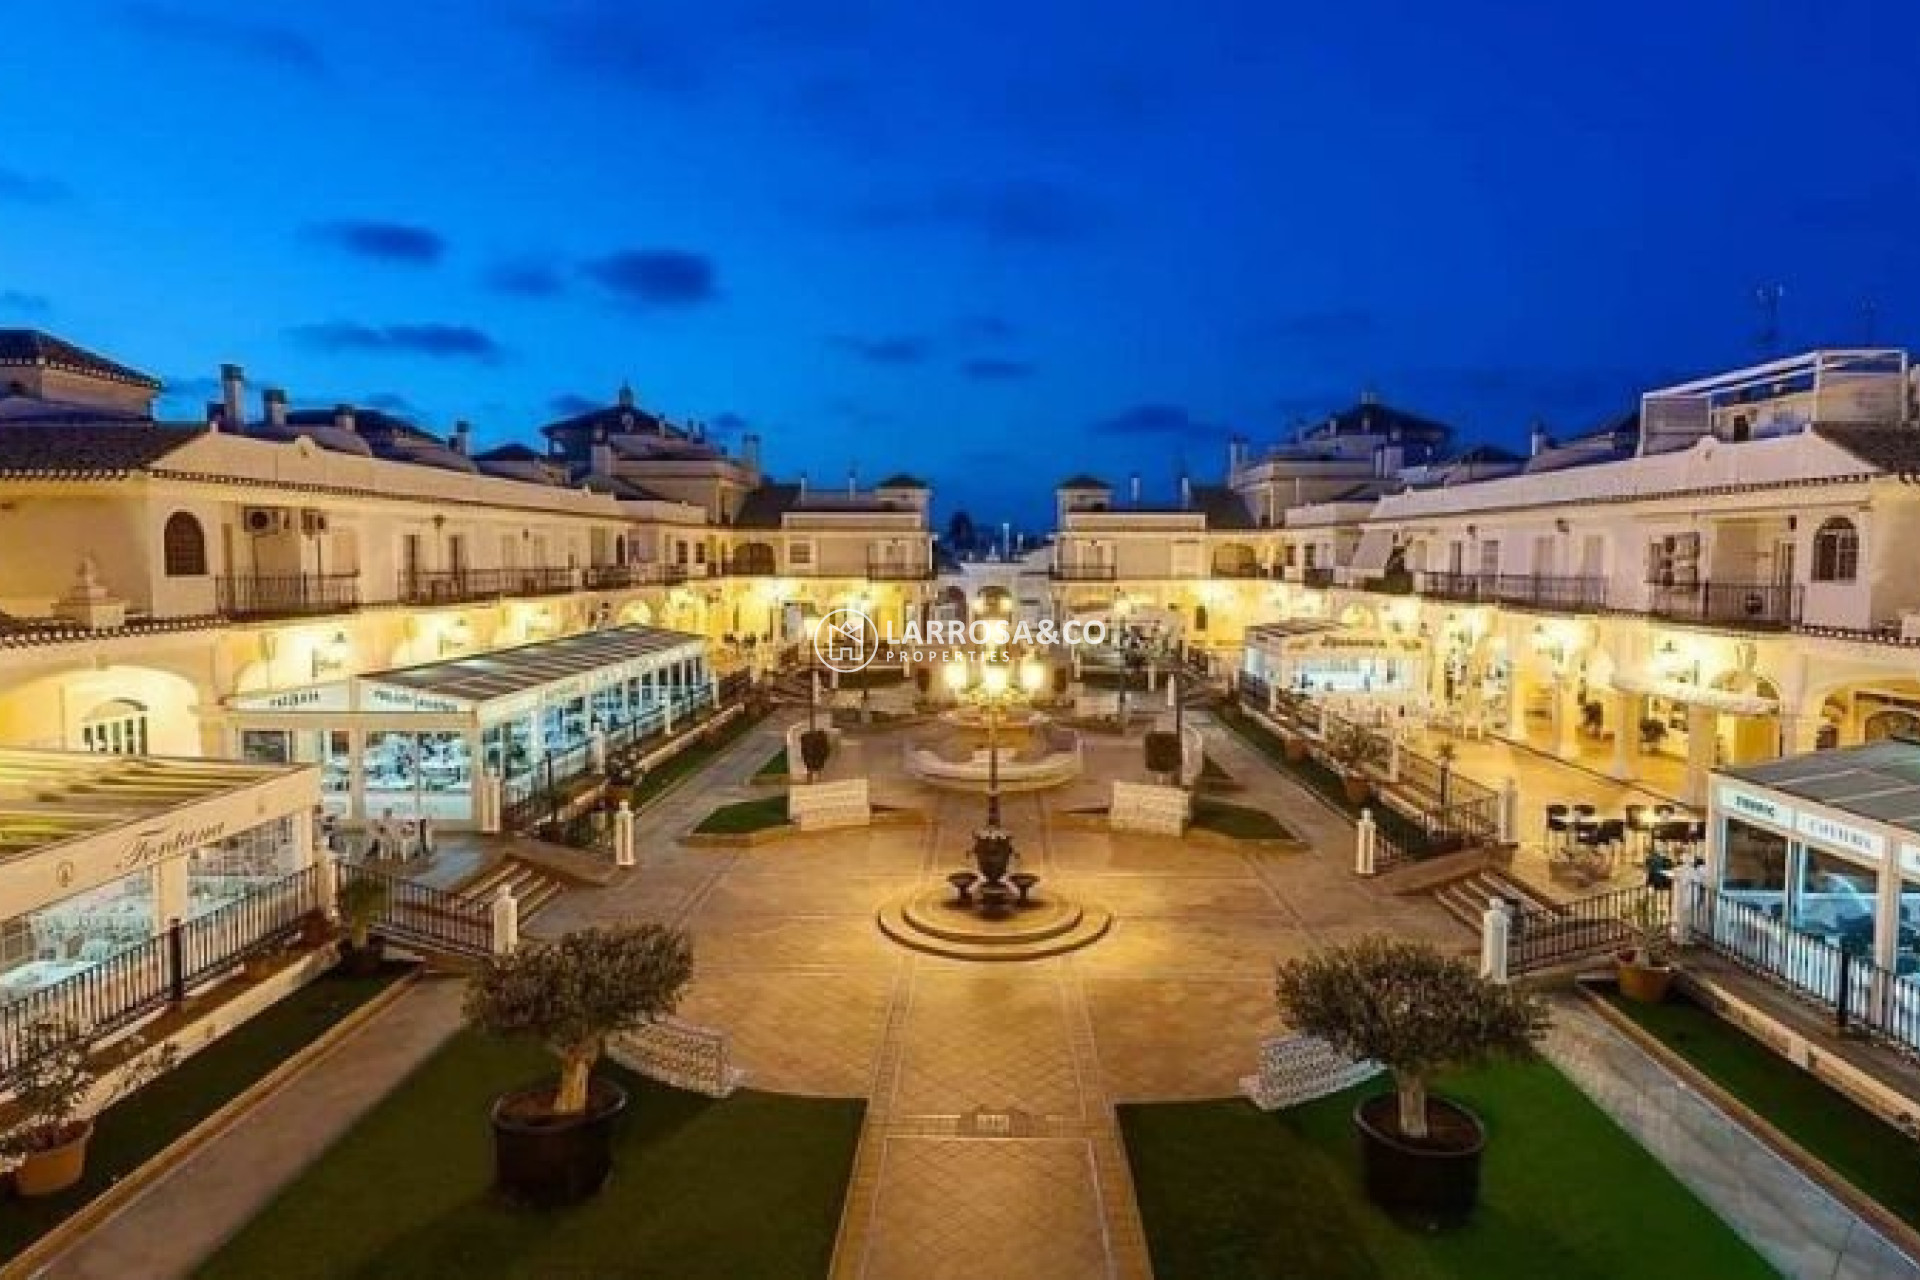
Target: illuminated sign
1759 808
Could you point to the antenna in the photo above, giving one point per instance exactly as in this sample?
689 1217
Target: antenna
1767 297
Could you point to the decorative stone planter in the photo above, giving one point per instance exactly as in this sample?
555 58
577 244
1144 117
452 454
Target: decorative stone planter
1645 983
546 1161
1433 1183
49 1172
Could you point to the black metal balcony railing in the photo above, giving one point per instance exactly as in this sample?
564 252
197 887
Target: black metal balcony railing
613 577
883 569
287 595
454 586
1766 605
1542 591
1083 572
1317 576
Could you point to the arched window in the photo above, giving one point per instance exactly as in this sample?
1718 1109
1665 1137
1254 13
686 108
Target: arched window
185 547
1836 551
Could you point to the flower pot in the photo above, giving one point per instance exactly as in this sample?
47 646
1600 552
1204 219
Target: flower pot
49 1172
992 854
363 962
1433 1183
1358 789
1644 983
546 1161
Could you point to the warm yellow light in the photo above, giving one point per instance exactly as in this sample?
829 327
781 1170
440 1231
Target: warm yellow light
1032 676
956 675
994 677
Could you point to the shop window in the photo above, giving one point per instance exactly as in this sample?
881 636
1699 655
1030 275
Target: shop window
184 547
1756 863
1836 551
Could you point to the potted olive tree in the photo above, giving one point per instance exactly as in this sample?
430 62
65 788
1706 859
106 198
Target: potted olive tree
816 745
54 1084
362 901
1417 1012
1644 967
553 1141
1355 750
1162 749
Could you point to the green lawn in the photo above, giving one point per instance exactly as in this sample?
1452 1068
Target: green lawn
129 1133
1870 1153
745 816
1238 821
691 760
1228 1192
775 767
749 1186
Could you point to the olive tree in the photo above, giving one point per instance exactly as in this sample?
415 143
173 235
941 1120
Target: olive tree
572 993
1409 1007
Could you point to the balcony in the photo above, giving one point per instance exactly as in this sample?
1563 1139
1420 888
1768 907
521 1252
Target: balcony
294 595
883 569
1571 594
616 577
1765 606
460 586
1082 572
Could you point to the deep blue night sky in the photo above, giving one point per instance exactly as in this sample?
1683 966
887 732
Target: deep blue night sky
989 242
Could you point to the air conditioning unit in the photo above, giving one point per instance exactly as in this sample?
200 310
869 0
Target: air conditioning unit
312 521
263 520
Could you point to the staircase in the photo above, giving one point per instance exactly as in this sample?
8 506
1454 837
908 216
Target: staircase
1465 899
533 887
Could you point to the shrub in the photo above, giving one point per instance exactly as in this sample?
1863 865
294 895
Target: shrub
56 1076
361 902
573 993
1355 749
1410 1007
1163 752
816 746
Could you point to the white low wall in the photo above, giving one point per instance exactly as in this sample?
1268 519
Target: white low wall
1149 807
819 805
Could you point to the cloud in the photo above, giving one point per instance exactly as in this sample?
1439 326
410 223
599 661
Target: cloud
997 370
267 42
655 277
897 350
525 277
1159 420
18 187
385 241
1008 212
571 404
23 303
433 339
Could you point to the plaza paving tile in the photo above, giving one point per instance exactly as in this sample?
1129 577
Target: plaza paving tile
986 1038
1135 1020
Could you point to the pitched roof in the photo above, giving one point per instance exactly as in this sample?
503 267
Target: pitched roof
901 480
94 451
621 487
765 505
515 452
31 347
1895 450
1083 481
16 408
1223 508
1373 418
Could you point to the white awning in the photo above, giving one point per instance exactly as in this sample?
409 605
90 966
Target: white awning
1370 557
1681 691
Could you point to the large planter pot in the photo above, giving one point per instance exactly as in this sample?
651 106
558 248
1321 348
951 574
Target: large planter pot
546 1161
1644 983
992 854
1433 1183
1358 789
49 1172
363 962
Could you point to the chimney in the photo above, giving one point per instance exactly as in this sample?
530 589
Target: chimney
853 481
462 441
1538 442
216 414
1186 493
343 418
750 449
274 401
626 396
600 457
1369 396
1133 488
233 392
803 486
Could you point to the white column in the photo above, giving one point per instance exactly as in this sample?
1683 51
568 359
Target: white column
488 802
1566 714
1510 812
1626 735
1495 928
1365 844
170 900
623 850
356 775
328 888
1886 914
1703 724
506 921
1393 758
597 751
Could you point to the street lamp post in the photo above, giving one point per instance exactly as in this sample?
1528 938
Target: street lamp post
994 682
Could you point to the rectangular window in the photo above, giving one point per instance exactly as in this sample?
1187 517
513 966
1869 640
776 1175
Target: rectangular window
800 554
